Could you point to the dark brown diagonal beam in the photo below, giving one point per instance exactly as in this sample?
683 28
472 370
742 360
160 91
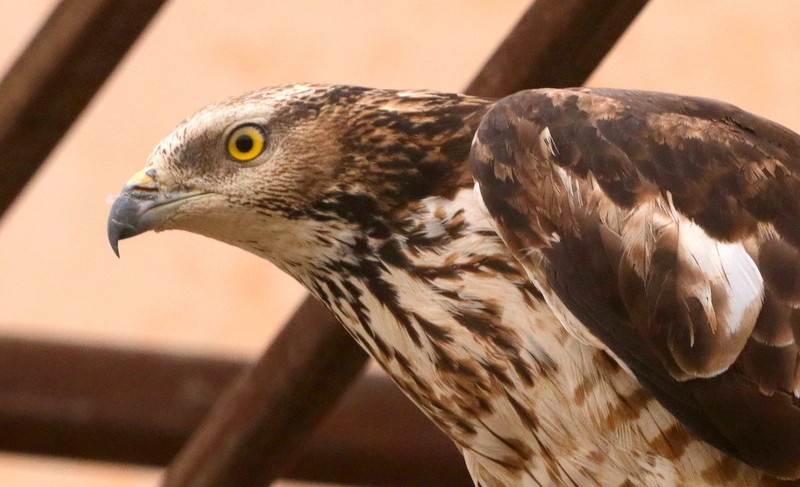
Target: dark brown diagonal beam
95 402
556 43
253 433
56 76
376 436
567 38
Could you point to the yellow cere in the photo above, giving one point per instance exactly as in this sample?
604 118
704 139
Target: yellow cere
246 143
141 179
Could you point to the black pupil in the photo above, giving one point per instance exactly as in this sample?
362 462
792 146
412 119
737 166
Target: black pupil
244 143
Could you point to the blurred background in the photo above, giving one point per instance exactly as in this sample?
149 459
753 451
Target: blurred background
180 292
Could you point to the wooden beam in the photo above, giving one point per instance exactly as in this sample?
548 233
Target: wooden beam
556 43
104 403
56 76
252 434
141 406
376 436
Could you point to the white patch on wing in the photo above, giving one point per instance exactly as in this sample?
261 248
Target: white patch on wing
721 276
722 264
548 144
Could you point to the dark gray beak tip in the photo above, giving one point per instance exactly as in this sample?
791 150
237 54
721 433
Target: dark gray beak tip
114 246
123 221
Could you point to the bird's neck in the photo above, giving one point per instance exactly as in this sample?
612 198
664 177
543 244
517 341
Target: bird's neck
380 265
434 300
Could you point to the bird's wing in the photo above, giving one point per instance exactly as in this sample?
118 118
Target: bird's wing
669 228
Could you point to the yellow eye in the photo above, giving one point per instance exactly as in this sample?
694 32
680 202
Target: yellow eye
246 143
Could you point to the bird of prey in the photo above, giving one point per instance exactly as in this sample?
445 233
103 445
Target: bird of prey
579 286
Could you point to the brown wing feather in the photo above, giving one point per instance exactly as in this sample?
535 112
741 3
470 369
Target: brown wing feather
670 228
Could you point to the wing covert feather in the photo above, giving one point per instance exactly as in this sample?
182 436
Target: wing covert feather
670 228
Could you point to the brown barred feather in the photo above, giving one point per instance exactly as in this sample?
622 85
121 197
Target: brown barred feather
670 228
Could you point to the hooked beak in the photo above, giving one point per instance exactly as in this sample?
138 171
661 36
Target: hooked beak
143 205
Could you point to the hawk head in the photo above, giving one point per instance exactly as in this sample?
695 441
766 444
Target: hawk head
287 172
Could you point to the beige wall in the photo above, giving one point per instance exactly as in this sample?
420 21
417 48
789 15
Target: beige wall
60 280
